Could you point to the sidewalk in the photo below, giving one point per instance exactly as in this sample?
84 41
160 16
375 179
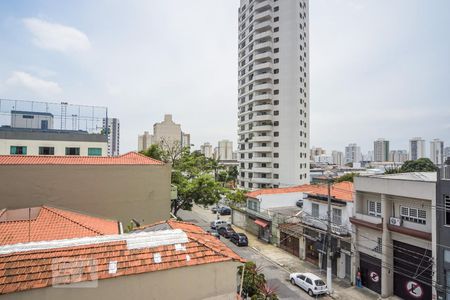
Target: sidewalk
342 289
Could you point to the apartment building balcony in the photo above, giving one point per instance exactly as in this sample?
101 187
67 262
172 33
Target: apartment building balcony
262 46
321 223
264 15
262 87
262 170
262 6
409 228
368 221
264 75
262 66
267 55
261 180
261 159
261 138
263 26
263 107
262 128
259 97
266 117
262 149
263 35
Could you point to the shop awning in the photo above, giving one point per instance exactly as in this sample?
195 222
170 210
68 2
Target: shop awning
261 223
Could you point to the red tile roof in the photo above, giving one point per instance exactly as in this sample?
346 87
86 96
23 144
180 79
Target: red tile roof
49 223
24 270
341 190
130 158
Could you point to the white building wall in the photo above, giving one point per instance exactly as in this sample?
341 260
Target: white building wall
278 200
437 151
60 146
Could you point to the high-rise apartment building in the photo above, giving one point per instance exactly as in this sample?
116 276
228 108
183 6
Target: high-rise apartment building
112 127
446 153
398 155
207 150
416 148
167 134
316 151
225 150
338 158
273 116
352 154
381 150
437 151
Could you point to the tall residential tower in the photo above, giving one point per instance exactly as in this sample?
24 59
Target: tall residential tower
273 116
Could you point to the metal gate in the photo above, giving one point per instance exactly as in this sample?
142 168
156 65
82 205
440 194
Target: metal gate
370 268
289 243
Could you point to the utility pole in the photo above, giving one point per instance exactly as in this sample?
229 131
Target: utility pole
329 263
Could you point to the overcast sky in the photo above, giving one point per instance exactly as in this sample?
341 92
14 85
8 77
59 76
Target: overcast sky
378 68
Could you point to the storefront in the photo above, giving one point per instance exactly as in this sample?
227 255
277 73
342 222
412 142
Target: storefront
370 268
412 272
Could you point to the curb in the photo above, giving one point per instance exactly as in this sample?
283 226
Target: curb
271 260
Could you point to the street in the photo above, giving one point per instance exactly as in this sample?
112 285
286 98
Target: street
276 276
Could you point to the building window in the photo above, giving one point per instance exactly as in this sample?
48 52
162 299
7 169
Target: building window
276 102
379 247
276 123
276 154
72 151
315 210
276 112
276 92
374 208
276 176
276 133
276 71
447 209
18 150
413 215
46 150
276 50
276 8
276 40
276 19
276 29
275 144
276 60
337 216
276 166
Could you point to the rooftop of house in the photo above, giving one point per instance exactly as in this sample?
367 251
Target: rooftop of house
47 223
412 176
341 190
130 158
162 246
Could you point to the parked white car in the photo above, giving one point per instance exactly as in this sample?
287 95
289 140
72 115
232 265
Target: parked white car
311 283
216 224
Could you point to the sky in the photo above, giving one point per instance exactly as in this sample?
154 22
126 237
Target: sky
379 68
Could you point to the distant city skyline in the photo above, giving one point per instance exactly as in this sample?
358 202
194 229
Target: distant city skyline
371 76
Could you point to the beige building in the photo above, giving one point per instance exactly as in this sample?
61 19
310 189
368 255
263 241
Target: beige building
394 236
206 150
166 133
169 260
225 150
130 186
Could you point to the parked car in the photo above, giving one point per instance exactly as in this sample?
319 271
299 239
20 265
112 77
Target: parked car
299 203
311 283
215 208
214 232
225 211
216 224
226 232
239 239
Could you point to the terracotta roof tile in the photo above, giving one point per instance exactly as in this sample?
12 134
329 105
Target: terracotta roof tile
341 190
130 158
38 268
51 224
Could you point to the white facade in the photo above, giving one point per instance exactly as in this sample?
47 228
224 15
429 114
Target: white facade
323 159
437 151
353 154
398 155
144 141
113 129
416 148
381 150
338 158
273 117
225 150
446 153
32 120
206 150
267 201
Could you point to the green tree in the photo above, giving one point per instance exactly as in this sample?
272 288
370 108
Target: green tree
392 170
236 197
347 177
420 165
155 151
253 279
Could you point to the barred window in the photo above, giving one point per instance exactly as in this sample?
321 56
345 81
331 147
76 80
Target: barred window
413 215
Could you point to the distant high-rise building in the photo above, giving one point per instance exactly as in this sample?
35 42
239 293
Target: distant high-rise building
225 150
416 148
352 154
398 155
446 153
113 130
338 158
167 134
316 151
207 150
437 151
381 150
273 94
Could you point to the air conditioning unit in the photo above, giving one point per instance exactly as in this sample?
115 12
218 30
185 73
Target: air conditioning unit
395 221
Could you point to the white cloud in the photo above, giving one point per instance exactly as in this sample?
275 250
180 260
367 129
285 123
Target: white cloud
56 37
23 80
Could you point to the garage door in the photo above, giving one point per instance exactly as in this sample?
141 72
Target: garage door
370 268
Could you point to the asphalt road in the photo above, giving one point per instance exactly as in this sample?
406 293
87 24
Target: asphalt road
276 276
